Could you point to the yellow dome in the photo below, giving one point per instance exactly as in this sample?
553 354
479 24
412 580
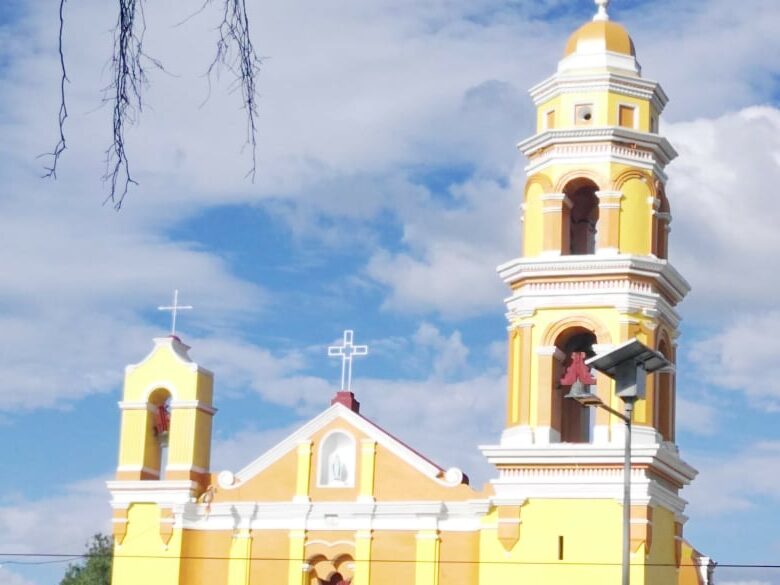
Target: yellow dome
601 35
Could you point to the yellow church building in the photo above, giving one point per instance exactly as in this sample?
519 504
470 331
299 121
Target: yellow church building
342 500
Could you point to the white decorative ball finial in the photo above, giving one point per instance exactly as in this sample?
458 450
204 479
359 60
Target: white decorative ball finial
601 14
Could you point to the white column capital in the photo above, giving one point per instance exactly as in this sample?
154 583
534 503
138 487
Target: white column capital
551 350
558 198
609 199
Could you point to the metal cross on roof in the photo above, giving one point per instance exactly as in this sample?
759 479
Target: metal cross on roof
346 352
174 309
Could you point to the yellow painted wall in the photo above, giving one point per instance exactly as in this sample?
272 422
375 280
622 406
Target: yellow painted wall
636 218
688 573
396 480
661 567
393 556
533 234
269 557
592 544
143 557
605 109
458 556
274 484
204 553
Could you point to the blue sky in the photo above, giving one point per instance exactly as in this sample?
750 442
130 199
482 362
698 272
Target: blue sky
387 192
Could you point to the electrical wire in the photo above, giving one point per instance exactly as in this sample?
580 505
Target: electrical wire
63 557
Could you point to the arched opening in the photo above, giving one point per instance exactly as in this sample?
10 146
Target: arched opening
661 225
336 579
581 220
159 407
574 421
322 571
337 461
664 401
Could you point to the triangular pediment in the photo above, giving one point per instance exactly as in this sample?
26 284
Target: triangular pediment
274 474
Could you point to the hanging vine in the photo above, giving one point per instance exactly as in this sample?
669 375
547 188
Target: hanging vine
234 52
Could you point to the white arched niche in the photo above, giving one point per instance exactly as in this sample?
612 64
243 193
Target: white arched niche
336 460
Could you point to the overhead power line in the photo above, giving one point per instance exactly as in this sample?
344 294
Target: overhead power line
63 557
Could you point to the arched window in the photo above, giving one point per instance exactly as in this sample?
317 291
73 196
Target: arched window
160 425
664 398
580 221
663 217
321 571
574 421
337 461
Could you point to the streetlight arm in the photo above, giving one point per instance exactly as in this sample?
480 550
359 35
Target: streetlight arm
611 410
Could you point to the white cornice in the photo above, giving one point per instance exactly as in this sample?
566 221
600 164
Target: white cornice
626 85
663 151
580 61
167 492
348 515
573 266
190 404
595 484
175 404
591 153
178 349
565 470
621 294
656 456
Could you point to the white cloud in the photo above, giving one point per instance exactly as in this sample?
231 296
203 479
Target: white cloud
453 252
708 68
722 194
62 523
697 417
8 577
451 353
730 483
387 92
239 450
737 357
443 420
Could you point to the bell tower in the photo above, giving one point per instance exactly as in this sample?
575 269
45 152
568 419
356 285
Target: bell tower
164 459
594 273
594 270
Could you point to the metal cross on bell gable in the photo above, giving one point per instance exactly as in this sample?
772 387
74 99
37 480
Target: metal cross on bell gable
346 352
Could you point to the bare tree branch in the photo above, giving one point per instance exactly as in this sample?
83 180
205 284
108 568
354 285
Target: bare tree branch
236 53
128 80
59 148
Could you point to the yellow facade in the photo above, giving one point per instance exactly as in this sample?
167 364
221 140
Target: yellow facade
342 501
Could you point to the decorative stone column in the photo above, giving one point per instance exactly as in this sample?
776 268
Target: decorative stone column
303 472
427 560
519 375
555 209
240 558
608 237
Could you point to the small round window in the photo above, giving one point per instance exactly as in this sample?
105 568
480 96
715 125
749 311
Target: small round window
584 114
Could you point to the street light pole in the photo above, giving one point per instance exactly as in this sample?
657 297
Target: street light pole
628 364
629 410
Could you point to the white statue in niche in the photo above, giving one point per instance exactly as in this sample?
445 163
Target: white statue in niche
337 461
338 471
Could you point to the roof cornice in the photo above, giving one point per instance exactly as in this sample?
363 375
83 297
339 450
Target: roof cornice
659 145
558 84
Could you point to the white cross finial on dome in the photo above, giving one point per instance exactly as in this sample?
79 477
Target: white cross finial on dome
602 11
346 352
